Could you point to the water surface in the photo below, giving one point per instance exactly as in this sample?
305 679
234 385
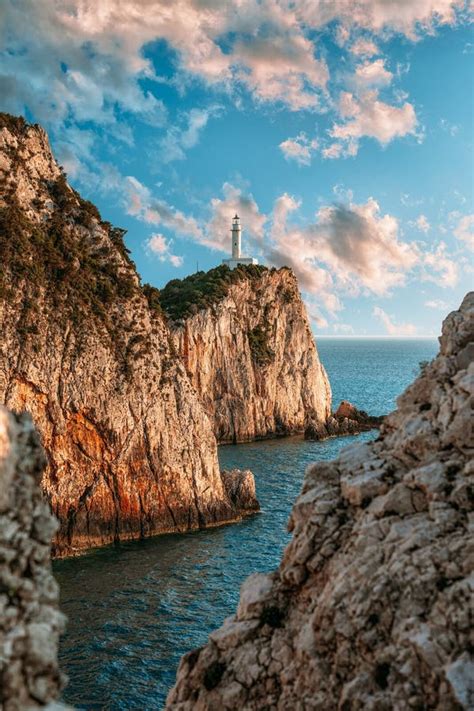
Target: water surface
135 609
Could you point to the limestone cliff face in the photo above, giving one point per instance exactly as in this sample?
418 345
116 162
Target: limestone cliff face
88 353
371 607
252 358
30 621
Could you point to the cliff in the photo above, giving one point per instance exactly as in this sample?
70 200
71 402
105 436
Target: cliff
30 621
249 351
87 351
370 607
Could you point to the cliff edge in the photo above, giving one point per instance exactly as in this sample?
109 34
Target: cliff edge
88 352
246 342
370 607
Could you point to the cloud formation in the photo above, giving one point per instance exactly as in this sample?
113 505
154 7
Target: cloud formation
299 149
369 116
422 223
82 60
392 328
139 202
179 139
464 230
158 244
217 230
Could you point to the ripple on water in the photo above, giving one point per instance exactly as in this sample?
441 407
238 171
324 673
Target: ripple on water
135 609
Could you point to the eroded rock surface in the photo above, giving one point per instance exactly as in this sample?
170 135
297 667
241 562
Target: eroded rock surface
253 360
30 621
347 420
371 607
88 352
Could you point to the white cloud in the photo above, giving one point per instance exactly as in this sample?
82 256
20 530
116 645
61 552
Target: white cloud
451 128
178 140
440 268
392 328
343 328
158 244
368 116
234 200
81 60
422 223
318 320
409 18
438 304
364 47
140 203
464 230
299 149
348 249
372 73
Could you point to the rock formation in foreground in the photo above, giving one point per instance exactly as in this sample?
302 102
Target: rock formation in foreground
87 351
30 621
371 607
247 346
347 420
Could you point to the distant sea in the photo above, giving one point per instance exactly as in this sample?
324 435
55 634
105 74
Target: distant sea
134 610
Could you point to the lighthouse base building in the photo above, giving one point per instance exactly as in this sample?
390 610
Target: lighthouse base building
237 258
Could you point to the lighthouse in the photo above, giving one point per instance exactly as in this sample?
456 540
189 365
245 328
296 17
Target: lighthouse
236 245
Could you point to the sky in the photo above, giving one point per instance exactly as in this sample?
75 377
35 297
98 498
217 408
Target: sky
341 132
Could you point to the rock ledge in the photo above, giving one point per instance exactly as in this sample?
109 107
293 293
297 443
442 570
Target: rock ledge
370 607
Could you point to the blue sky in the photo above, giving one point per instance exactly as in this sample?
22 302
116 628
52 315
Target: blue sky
341 132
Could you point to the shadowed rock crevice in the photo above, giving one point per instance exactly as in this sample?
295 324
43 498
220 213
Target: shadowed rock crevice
371 605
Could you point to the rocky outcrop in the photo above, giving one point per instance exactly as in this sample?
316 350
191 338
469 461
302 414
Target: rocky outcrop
30 621
87 351
252 358
371 607
347 420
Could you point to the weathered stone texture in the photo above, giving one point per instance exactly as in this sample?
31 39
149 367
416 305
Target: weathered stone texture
131 451
371 607
347 420
247 398
30 621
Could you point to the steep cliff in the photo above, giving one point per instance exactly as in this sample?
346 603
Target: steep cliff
371 605
30 621
88 352
249 351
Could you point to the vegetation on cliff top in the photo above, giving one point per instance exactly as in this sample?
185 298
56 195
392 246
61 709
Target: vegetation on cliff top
181 298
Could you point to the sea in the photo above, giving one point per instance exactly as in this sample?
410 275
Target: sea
135 609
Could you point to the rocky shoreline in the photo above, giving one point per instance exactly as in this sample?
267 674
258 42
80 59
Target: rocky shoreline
347 420
370 606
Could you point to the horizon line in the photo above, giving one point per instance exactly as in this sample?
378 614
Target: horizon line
386 336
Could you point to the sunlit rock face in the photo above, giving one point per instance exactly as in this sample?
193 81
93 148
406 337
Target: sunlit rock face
30 621
253 360
371 607
88 353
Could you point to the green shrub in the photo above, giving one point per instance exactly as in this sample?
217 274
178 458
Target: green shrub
181 298
258 337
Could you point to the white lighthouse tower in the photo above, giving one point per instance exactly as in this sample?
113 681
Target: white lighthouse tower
237 258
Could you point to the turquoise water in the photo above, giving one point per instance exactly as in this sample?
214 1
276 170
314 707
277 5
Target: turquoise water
134 610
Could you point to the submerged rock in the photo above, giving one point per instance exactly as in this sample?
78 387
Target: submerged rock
240 488
30 621
371 607
347 420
